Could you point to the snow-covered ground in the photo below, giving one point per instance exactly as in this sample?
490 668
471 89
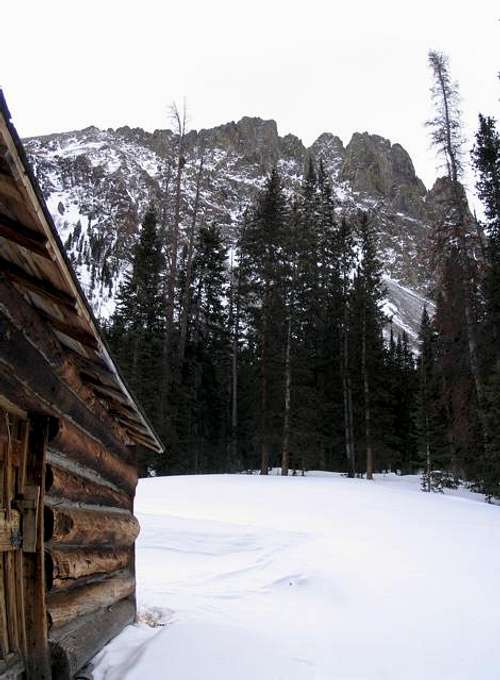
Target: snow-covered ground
315 578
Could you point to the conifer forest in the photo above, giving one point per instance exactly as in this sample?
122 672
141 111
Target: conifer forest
271 349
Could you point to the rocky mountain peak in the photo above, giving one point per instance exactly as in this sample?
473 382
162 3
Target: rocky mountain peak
99 183
372 165
330 149
254 139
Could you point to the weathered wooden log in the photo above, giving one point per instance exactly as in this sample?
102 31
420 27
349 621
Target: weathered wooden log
61 483
9 188
20 359
75 644
43 367
66 606
67 568
28 238
39 286
67 525
72 442
72 330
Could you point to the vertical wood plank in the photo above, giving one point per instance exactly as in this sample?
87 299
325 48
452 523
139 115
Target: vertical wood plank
24 458
7 480
4 638
19 566
19 586
10 583
10 586
37 660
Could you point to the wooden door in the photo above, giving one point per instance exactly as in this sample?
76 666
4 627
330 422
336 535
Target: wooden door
13 459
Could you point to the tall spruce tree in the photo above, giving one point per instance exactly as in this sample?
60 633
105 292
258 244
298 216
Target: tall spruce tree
209 354
447 137
486 159
431 413
345 263
137 328
266 293
368 322
306 255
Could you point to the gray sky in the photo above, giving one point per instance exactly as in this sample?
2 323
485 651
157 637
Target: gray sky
312 65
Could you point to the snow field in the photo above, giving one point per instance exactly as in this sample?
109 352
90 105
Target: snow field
317 578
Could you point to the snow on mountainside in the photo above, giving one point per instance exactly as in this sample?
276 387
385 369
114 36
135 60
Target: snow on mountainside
311 578
98 184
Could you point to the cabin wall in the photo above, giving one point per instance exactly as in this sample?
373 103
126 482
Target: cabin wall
90 478
90 531
72 506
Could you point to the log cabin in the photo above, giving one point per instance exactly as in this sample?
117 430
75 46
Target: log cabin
69 432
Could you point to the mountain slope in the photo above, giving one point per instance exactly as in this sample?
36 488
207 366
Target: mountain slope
98 184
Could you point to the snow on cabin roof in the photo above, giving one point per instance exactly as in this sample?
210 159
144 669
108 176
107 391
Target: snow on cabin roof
33 258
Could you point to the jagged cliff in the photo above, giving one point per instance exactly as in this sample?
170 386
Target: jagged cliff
98 183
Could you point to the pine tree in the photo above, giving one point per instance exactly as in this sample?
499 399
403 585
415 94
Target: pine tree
266 272
303 262
345 263
137 327
447 137
486 158
430 414
458 396
336 261
368 320
209 352
399 393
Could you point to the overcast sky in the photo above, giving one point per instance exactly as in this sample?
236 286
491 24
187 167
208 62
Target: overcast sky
312 65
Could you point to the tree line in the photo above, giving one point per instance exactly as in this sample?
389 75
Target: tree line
272 350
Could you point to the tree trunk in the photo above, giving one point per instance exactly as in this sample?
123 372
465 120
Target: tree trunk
427 454
460 227
235 305
186 295
167 376
474 362
347 397
285 456
264 444
366 394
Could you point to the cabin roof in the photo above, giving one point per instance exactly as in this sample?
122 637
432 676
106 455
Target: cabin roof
33 258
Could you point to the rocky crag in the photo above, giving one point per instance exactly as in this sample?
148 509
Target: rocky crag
98 184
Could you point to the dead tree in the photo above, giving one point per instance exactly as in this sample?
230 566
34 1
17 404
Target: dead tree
186 295
173 248
447 137
180 129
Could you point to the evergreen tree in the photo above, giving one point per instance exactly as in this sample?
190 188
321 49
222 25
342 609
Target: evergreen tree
137 327
486 158
400 392
430 413
209 353
266 294
446 135
303 261
345 263
368 322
